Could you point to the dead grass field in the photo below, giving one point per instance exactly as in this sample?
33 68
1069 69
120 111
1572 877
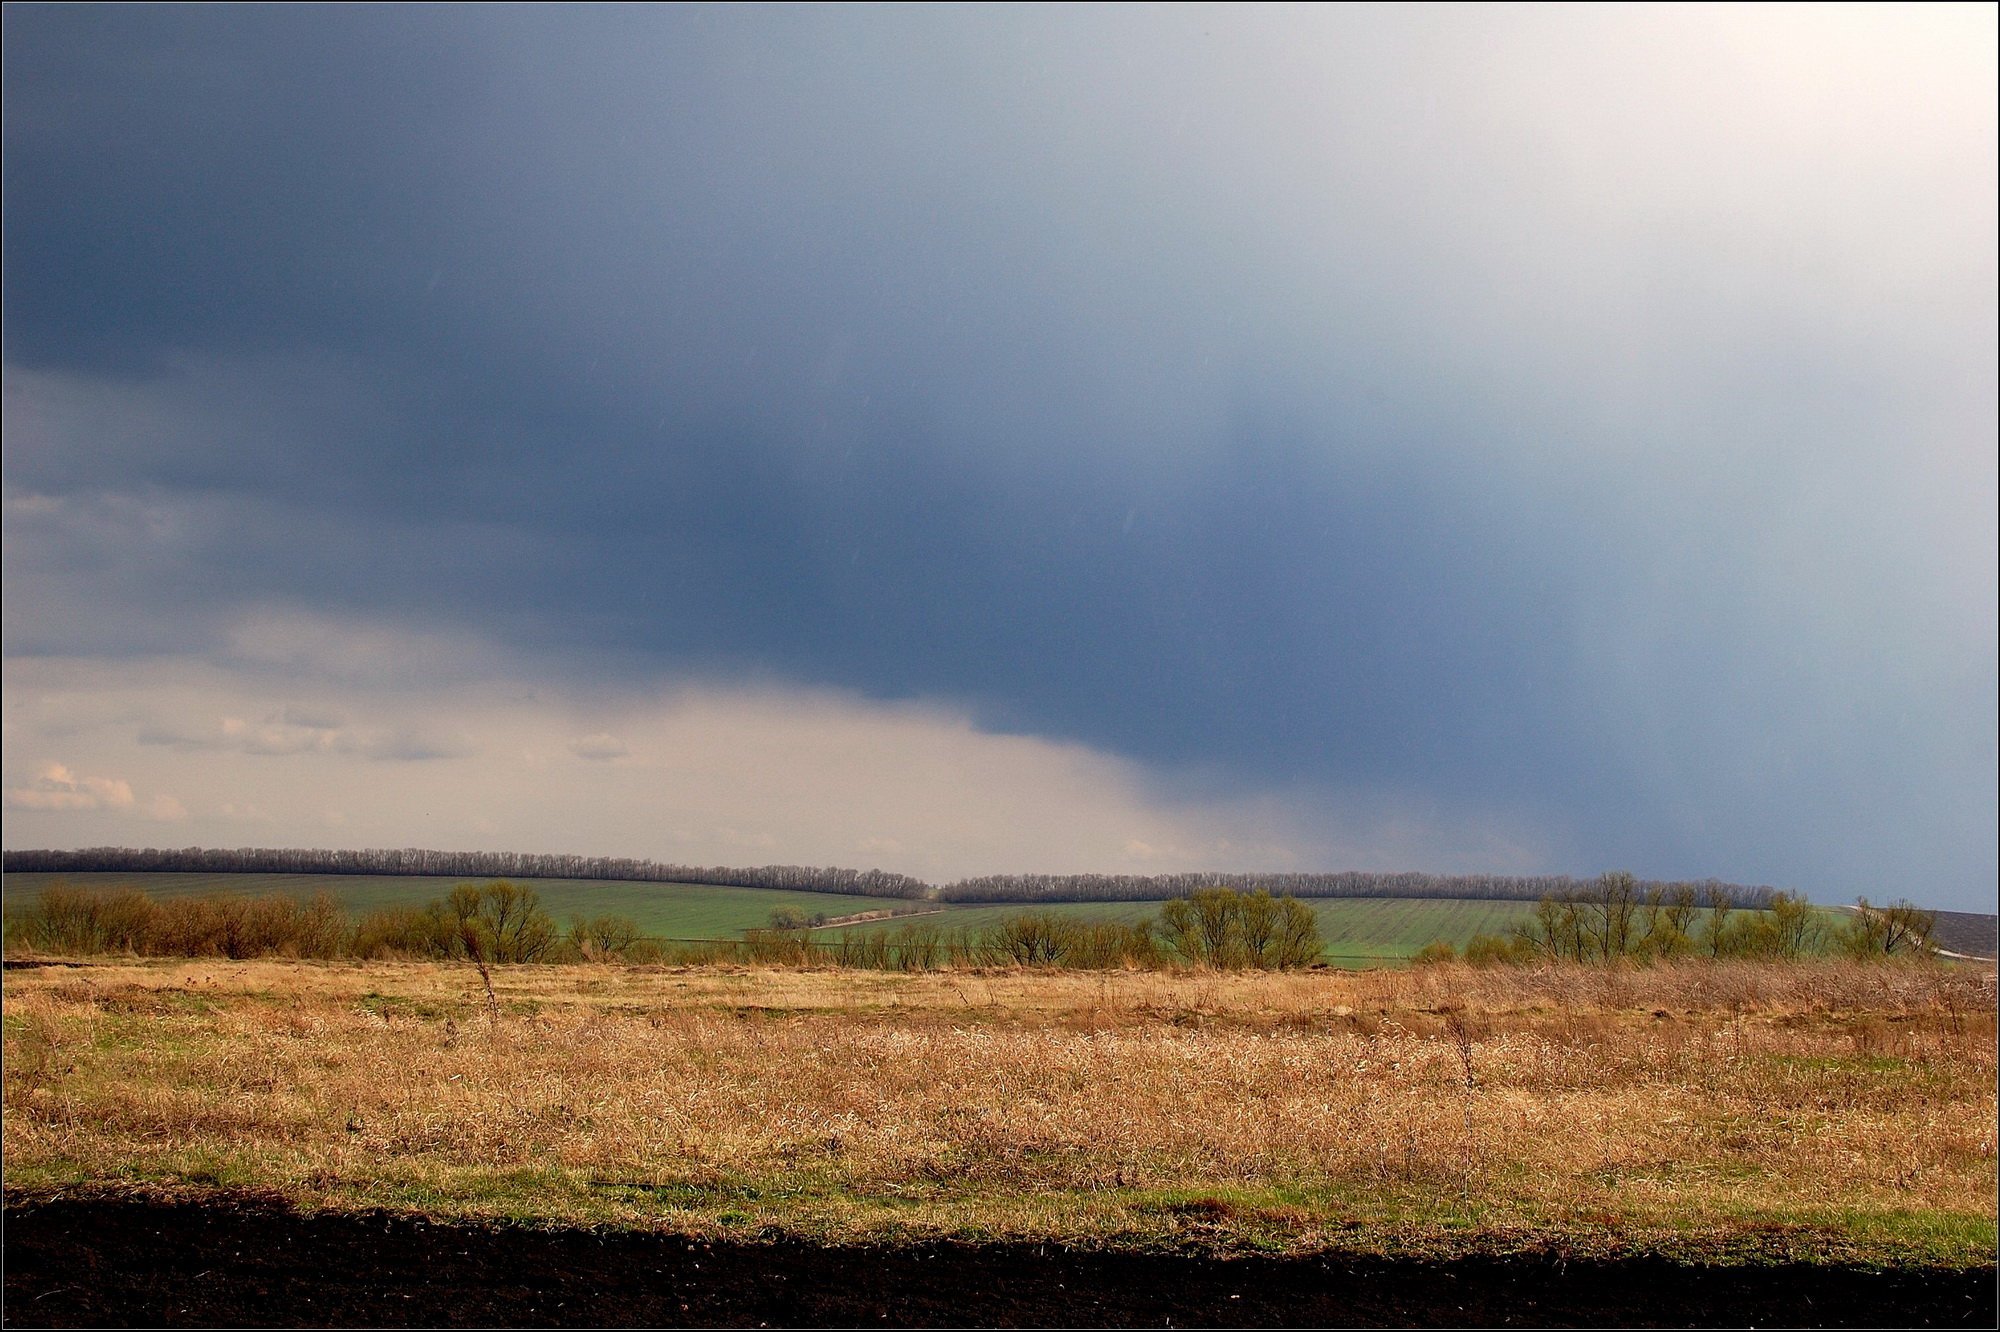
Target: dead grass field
1827 1111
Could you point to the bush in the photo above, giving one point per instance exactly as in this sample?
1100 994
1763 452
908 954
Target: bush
1032 939
919 947
862 948
242 927
400 932
75 921
1109 944
603 938
81 921
1885 931
1220 927
1493 950
501 921
1611 919
700 953
784 948
1434 952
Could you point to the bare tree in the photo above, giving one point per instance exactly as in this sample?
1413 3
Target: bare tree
1884 931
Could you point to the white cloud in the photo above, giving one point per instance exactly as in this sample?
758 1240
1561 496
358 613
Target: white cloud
55 787
706 773
165 809
282 735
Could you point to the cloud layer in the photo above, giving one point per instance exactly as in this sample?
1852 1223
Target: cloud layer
1573 422
239 754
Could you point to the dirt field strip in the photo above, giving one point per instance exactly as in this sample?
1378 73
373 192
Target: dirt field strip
98 1263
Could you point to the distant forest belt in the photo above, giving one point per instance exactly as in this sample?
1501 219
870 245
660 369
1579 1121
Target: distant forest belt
1356 930
871 882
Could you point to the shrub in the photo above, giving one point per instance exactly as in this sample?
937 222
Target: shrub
961 947
501 921
1434 952
1202 927
1110 944
1220 927
862 948
919 947
1885 931
700 952
81 921
1298 941
400 932
1494 950
78 921
785 948
603 937
1033 939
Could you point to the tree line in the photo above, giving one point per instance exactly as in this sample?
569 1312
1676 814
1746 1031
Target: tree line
1344 883
1617 917
867 883
1609 921
501 922
458 864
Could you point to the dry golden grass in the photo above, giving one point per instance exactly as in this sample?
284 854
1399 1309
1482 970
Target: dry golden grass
1843 1108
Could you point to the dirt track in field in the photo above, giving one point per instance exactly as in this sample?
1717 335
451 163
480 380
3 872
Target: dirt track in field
71 1263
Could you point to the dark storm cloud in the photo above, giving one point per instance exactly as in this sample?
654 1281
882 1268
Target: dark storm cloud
1219 395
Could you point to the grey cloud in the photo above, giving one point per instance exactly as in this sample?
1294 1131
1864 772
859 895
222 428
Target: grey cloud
1591 406
409 747
168 738
285 734
317 718
599 746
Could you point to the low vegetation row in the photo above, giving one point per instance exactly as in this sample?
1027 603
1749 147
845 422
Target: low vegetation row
1345 883
503 922
1618 918
996 888
1615 919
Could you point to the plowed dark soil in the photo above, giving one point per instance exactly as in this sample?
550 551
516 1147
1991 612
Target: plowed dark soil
115 1263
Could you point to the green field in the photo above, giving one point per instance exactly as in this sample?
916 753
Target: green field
1357 930
663 910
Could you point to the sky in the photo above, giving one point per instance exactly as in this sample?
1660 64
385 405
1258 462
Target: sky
966 440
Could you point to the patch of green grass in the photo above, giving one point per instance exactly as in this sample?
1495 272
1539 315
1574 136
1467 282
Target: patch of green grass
1359 931
671 910
1407 1221
1397 927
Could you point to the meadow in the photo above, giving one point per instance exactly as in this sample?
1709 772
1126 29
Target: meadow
1357 931
1706 1112
664 910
